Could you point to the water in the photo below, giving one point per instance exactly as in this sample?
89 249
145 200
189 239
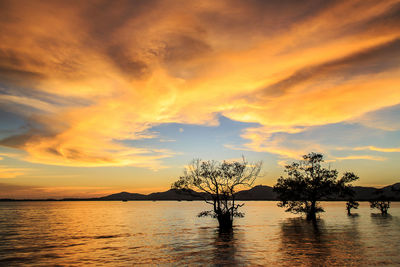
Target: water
169 233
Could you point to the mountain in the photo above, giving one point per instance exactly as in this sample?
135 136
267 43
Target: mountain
175 194
364 193
172 194
367 193
124 196
389 192
259 192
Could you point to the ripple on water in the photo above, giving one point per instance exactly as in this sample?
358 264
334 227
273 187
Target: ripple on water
110 233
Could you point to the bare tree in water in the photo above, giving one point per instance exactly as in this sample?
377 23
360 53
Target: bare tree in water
219 181
348 192
381 202
351 204
308 182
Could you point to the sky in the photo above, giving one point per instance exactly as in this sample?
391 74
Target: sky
98 97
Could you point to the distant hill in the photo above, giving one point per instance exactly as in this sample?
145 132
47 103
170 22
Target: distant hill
172 194
364 193
175 194
124 195
259 192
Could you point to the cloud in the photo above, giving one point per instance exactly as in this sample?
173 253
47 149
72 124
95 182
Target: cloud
373 60
282 163
385 119
276 140
378 149
29 102
6 172
361 157
89 76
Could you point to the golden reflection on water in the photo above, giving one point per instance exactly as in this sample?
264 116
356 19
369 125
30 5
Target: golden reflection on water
313 244
121 234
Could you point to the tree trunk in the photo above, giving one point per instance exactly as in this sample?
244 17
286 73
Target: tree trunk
383 211
225 222
311 215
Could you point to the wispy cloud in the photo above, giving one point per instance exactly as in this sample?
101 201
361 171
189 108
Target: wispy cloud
276 140
361 157
379 149
119 69
6 172
371 148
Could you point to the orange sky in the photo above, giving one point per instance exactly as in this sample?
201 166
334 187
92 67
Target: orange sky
88 77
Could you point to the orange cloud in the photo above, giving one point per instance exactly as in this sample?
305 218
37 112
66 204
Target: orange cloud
364 157
6 173
379 149
91 75
262 139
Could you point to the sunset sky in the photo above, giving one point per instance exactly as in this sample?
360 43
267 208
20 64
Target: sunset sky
98 97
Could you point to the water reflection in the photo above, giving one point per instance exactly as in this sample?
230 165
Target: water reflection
381 219
222 247
303 242
316 244
385 228
169 233
19 236
353 215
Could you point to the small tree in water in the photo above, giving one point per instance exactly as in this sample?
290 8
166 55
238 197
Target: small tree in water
219 181
380 202
351 204
307 182
348 192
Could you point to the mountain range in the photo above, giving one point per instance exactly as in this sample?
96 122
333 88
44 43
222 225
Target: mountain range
259 192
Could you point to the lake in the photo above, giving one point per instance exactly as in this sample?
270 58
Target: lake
169 233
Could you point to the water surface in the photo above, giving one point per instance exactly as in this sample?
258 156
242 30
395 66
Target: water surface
168 232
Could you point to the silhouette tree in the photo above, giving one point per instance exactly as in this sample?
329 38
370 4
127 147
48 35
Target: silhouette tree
346 191
351 204
219 181
307 182
381 202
